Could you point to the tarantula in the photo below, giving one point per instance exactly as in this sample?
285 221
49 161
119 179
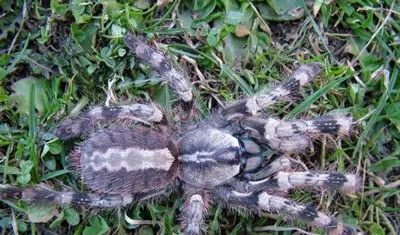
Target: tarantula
220 159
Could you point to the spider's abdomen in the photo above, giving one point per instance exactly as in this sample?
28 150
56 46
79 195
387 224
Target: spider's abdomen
209 157
126 160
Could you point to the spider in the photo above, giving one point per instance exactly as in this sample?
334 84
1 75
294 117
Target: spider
219 160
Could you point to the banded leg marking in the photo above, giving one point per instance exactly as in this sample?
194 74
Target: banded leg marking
292 144
254 104
274 128
276 165
85 124
13 193
282 206
294 136
288 180
162 65
193 214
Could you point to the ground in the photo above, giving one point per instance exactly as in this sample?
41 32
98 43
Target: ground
58 58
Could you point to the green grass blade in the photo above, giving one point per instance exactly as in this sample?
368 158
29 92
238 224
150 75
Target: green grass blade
378 110
32 132
162 19
311 99
53 174
7 169
19 56
224 69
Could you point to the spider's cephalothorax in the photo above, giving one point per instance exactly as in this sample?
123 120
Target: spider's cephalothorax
219 160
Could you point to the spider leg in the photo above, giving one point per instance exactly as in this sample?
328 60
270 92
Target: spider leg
278 164
253 105
193 214
161 64
261 200
283 181
271 127
86 123
294 136
41 195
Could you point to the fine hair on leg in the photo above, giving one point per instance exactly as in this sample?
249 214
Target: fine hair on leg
161 64
262 201
282 181
252 105
86 123
40 195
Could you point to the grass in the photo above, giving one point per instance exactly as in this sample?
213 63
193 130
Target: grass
57 59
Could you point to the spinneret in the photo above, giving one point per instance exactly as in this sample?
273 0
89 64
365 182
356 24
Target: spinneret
220 160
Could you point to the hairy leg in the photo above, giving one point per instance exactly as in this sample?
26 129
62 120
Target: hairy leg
41 195
283 181
253 105
193 214
194 210
284 207
275 128
294 136
85 123
161 64
279 164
